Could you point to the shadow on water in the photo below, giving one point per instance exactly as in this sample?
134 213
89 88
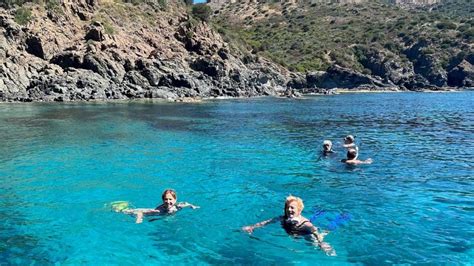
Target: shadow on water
16 246
242 249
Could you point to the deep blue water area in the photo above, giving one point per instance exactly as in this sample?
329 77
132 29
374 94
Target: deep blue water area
62 164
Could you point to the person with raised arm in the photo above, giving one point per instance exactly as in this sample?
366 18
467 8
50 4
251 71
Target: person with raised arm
295 224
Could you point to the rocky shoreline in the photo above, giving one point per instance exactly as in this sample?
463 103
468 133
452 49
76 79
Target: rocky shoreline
84 53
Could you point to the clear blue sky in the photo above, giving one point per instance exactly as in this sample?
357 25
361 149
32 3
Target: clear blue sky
199 1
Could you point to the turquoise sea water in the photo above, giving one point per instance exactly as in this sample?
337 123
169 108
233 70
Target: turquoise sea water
61 164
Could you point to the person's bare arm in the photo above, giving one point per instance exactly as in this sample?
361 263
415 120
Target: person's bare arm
318 240
139 213
186 204
249 228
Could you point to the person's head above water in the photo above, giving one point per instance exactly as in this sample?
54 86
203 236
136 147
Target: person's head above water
293 207
327 145
349 139
351 154
169 198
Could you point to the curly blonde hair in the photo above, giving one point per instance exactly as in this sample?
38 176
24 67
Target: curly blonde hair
290 199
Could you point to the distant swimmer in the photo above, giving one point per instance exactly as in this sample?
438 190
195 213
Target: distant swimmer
295 224
327 147
349 142
352 155
168 206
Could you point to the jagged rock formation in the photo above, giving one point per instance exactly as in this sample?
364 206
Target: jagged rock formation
86 52
100 50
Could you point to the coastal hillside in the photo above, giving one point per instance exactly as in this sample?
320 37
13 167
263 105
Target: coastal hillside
406 44
72 50
96 50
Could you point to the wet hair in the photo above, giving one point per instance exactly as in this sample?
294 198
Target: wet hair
351 154
349 138
290 199
169 191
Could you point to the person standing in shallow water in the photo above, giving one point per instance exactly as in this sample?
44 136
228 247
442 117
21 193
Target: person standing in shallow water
168 206
295 224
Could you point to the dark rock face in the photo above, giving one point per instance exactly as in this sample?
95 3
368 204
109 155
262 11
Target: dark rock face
34 46
426 65
211 68
65 57
63 61
68 59
95 34
300 82
340 77
462 75
386 65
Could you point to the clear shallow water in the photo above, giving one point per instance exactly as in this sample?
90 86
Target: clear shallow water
60 164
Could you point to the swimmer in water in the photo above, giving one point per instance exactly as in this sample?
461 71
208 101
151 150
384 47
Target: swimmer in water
327 147
349 142
168 206
295 224
352 158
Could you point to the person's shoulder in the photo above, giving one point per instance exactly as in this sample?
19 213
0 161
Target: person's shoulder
307 225
306 221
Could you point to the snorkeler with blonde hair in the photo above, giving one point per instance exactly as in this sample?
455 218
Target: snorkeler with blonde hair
168 206
352 155
295 224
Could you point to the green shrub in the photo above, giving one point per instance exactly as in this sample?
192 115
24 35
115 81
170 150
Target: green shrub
23 15
463 27
108 28
11 3
53 6
469 34
202 12
152 3
428 51
296 37
163 3
446 25
391 46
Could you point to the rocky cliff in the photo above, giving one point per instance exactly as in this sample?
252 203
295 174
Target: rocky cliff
74 50
371 44
90 50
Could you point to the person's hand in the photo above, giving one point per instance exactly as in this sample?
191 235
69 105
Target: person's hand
195 207
248 229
